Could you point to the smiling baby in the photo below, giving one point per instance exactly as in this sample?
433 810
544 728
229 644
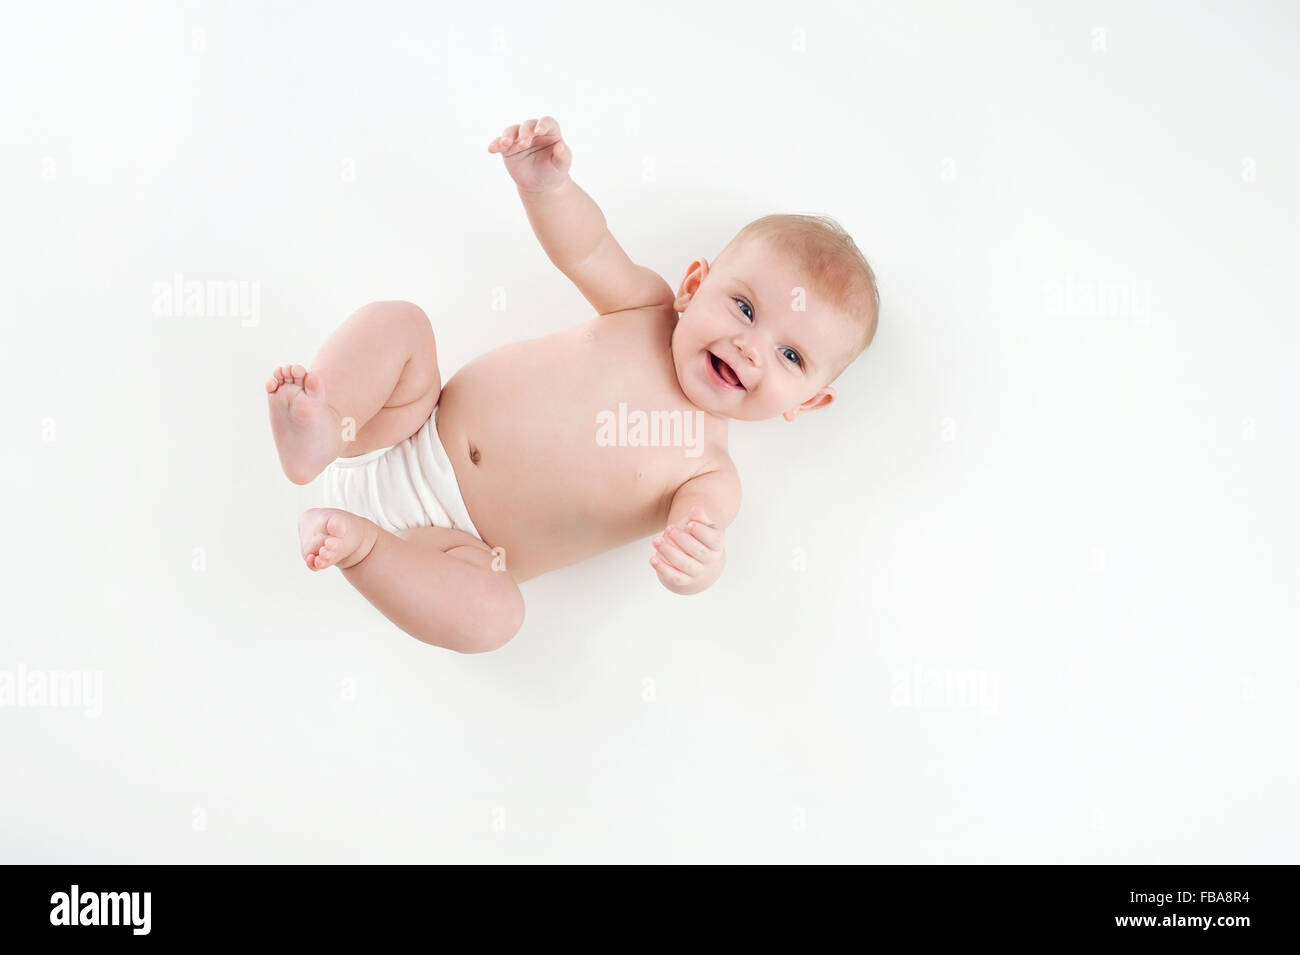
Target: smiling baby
545 452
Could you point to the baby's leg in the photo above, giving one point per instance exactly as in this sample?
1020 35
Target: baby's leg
374 382
435 583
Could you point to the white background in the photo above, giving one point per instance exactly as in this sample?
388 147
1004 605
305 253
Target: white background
1025 593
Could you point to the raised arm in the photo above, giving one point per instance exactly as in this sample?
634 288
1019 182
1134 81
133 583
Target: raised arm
569 224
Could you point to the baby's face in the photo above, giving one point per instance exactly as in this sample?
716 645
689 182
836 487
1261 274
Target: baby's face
740 347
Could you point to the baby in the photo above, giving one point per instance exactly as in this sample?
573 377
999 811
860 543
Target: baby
548 451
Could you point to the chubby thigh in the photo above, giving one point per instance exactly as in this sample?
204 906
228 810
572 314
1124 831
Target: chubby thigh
442 586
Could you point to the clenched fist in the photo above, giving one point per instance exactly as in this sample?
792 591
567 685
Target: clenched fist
687 556
536 155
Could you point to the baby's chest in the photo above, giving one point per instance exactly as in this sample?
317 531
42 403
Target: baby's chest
615 453
591 421
622 457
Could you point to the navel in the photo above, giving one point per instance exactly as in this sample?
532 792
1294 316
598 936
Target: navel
473 454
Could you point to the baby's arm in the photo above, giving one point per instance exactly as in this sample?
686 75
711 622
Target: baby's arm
570 225
691 553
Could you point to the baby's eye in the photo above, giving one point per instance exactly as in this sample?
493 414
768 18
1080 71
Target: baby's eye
744 304
796 359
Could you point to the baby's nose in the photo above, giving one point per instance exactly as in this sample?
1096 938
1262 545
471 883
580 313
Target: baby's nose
746 348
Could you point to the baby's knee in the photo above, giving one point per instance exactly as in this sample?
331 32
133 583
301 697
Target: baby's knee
482 625
398 317
404 311
495 629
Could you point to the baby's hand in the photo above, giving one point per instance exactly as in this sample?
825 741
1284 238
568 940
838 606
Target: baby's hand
536 155
687 556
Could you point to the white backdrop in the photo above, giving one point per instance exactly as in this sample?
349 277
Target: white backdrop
1025 593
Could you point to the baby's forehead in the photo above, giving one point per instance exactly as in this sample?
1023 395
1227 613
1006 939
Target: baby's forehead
835 328
778 271
787 286
830 286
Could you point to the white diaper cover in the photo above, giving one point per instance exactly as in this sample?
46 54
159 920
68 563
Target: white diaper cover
411 484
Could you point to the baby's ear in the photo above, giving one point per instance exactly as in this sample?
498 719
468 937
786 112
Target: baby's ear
694 278
819 400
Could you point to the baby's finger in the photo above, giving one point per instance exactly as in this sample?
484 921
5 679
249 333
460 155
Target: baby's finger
547 126
711 537
671 553
527 130
698 513
689 544
523 138
668 574
504 141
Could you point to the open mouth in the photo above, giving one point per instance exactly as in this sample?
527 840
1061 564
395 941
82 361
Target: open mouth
724 373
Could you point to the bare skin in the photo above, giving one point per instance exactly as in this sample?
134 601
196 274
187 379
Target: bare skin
520 423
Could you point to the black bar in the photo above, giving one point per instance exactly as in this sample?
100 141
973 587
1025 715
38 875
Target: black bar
335 904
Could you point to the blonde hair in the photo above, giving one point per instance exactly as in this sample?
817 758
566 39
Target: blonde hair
834 265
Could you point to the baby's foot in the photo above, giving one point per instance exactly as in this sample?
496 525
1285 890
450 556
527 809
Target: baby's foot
307 431
331 537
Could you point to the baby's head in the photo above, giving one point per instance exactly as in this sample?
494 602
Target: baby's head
788 304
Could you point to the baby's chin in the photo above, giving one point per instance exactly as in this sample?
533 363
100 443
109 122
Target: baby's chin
701 398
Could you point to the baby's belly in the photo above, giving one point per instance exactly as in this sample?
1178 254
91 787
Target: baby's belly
536 482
